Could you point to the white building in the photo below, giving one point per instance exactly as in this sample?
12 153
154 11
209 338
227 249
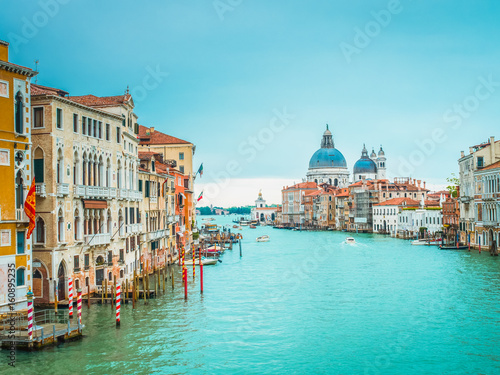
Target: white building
262 213
428 215
385 215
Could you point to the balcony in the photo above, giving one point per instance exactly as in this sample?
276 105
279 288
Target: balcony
129 194
97 239
134 228
21 215
40 189
94 191
62 190
170 219
489 223
153 199
156 234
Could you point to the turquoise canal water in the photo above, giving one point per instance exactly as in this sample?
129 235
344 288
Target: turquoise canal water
304 302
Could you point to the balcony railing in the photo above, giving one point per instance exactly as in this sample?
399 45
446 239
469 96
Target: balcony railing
21 215
157 234
153 199
40 189
97 239
62 189
129 194
94 191
134 228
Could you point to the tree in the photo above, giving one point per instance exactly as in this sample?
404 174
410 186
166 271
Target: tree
453 182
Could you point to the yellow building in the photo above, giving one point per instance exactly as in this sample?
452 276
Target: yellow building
16 175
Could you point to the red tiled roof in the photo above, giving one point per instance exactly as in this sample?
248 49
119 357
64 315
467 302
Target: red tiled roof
313 193
44 90
97 101
492 166
303 185
148 136
399 202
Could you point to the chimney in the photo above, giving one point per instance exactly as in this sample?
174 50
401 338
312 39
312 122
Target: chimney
152 129
424 184
471 151
462 154
493 153
418 182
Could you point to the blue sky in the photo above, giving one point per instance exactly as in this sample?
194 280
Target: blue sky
231 68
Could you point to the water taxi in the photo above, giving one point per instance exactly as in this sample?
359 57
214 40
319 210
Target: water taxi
350 240
264 238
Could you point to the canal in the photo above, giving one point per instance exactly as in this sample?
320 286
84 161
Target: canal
305 302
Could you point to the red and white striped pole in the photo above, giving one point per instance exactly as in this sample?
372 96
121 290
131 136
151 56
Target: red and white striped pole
194 264
201 274
70 297
118 287
79 307
30 314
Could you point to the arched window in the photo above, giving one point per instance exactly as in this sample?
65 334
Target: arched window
77 228
76 164
60 166
20 277
108 222
60 227
40 230
110 276
38 165
19 190
19 113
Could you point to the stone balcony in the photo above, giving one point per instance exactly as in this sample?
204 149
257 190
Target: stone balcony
21 215
157 234
41 189
134 228
129 194
97 239
62 190
94 191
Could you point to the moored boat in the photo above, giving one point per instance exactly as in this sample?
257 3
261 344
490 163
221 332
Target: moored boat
204 261
253 226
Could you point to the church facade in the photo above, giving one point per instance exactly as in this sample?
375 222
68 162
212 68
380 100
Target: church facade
328 165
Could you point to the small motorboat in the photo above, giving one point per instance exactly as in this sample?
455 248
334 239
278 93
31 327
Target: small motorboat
235 226
264 238
350 240
204 261
422 242
252 226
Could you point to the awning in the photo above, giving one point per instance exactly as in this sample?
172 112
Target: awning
89 203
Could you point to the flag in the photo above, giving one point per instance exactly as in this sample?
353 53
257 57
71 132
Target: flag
200 170
30 207
200 197
163 187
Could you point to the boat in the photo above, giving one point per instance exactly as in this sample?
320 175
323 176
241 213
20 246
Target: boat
422 242
252 226
204 261
350 240
453 247
264 238
235 226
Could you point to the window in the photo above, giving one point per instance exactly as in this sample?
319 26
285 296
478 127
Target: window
118 138
40 230
76 262
94 122
140 185
38 117
89 127
60 227
110 257
75 122
123 120
20 277
100 129
38 165
86 261
181 156
146 189
59 119
19 109
107 132
153 165
84 125
20 243
480 162
181 168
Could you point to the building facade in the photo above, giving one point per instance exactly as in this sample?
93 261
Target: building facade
293 213
16 172
86 166
261 212
385 214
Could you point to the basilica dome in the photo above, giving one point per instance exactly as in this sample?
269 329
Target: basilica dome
327 156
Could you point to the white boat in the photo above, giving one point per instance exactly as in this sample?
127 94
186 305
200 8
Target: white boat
423 242
350 240
264 238
204 261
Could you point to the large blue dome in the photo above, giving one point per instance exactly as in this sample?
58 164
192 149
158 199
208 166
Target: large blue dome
327 158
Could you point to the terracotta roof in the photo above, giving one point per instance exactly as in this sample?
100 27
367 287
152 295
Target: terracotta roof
399 202
303 185
492 166
313 193
44 90
150 136
101 101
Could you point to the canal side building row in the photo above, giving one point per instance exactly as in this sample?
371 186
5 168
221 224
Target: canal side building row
112 196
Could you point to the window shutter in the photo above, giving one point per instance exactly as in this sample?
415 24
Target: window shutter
147 189
38 164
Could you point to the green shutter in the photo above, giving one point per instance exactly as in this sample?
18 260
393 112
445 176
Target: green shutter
140 185
38 164
146 188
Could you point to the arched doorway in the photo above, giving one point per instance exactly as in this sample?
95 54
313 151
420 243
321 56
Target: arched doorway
273 216
61 284
261 217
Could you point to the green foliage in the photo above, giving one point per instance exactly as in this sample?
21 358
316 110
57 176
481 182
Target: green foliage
453 182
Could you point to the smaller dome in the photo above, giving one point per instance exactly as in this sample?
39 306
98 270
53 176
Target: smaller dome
381 152
365 164
373 154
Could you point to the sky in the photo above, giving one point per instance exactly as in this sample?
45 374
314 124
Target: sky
253 83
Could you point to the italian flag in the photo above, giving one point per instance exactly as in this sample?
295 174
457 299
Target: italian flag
200 197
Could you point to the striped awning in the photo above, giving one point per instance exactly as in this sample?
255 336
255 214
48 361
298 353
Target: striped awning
98 204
